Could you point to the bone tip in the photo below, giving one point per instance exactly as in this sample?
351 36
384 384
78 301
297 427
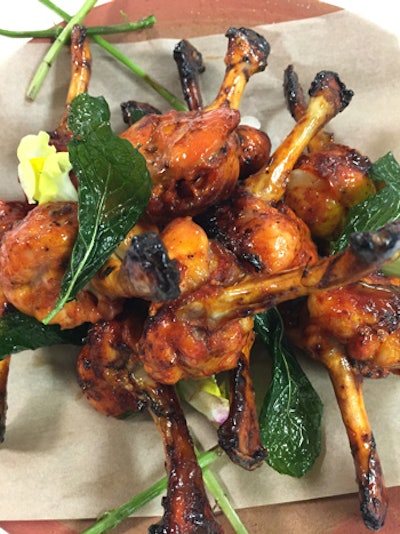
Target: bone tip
327 79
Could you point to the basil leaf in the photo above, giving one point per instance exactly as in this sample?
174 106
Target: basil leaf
20 332
379 209
290 417
114 189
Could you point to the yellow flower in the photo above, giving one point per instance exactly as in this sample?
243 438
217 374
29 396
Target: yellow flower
43 172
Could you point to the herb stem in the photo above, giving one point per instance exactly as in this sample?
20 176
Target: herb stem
53 33
55 49
114 517
223 502
162 91
117 54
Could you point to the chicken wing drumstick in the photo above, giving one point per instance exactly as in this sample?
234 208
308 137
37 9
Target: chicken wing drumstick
354 331
254 144
347 384
255 223
115 384
81 61
328 178
193 156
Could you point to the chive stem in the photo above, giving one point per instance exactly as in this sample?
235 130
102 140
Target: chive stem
53 33
222 501
55 49
169 97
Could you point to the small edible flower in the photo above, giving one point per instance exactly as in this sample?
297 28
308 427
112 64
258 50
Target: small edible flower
43 172
206 396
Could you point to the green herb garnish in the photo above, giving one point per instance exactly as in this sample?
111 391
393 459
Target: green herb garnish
114 189
290 417
133 67
379 209
53 33
20 332
55 49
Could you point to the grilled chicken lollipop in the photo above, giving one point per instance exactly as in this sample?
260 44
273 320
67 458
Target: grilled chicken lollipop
328 178
254 144
193 156
354 331
255 223
36 252
115 383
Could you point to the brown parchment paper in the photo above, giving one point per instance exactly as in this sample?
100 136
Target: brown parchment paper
60 458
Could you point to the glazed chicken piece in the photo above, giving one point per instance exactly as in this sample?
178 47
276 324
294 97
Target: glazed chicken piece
36 252
328 178
193 156
34 256
256 223
114 382
254 144
10 213
354 331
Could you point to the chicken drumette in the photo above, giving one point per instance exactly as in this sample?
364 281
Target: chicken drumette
256 223
194 156
115 383
354 331
328 178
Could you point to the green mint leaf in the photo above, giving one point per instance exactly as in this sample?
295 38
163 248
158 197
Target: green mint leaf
20 332
114 189
379 209
290 417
